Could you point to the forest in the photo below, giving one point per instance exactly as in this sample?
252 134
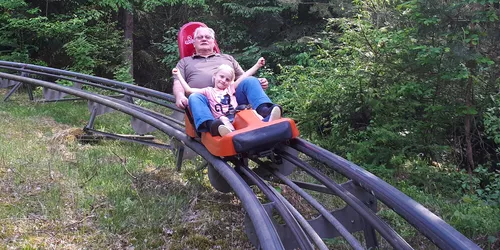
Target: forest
409 90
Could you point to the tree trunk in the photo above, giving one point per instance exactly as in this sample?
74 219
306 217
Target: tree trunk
468 118
129 40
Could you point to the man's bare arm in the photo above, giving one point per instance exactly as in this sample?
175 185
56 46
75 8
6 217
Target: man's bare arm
181 100
177 89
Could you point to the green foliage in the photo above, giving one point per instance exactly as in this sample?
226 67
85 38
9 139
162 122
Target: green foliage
80 50
146 5
437 181
115 4
252 9
122 74
12 4
241 24
485 185
472 219
382 91
82 38
150 5
338 104
169 47
492 121
17 55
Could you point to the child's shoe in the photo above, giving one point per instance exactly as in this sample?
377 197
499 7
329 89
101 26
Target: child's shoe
224 130
275 113
214 127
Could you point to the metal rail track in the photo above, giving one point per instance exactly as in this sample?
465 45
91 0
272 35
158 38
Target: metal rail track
275 224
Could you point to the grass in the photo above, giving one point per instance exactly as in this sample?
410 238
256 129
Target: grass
57 193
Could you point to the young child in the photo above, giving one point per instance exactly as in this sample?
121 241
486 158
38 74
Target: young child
221 97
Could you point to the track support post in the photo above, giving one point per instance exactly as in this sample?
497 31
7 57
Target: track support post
179 156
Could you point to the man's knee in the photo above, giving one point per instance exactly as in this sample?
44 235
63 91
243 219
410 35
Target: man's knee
250 81
247 86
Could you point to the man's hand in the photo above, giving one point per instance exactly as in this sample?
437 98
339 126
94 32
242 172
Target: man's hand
261 62
263 83
181 101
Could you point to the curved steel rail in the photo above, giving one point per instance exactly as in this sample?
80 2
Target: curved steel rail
434 228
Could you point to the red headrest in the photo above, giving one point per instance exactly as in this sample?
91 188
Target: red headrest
185 39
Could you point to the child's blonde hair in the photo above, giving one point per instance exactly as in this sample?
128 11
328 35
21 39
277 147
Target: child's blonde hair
228 68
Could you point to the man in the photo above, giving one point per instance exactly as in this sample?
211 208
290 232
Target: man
198 71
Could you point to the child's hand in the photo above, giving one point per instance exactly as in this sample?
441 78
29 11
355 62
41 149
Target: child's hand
175 71
261 62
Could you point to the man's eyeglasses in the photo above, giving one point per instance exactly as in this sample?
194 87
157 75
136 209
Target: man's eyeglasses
207 37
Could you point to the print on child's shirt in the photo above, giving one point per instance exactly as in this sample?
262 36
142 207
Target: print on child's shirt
226 101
